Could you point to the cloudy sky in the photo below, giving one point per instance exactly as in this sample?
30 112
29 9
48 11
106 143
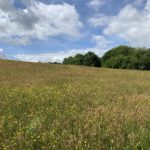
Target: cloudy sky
49 30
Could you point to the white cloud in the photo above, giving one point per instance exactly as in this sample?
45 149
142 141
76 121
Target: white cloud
132 25
96 4
56 56
147 7
6 5
100 20
16 40
37 20
2 55
101 42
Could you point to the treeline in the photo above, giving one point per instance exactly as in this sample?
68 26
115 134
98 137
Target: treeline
123 57
89 59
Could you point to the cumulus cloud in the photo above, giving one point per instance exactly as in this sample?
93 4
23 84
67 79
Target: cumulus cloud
147 7
101 42
6 5
2 54
130 24
37 20
56 56
96 4
99 20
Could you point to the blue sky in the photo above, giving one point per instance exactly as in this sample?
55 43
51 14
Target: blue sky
49 30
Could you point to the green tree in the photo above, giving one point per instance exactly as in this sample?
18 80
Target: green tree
127 58
144 62
69 60
90 59
78 59
120 50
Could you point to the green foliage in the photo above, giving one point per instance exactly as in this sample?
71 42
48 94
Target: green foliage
123 57
127 58
120 50
89 59
144 62
69 60
78 59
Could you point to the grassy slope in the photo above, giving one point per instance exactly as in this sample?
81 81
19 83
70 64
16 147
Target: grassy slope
46 106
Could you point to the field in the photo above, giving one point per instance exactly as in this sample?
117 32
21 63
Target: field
44 106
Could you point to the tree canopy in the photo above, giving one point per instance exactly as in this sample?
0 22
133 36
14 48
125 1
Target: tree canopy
123 57
89 59
127 58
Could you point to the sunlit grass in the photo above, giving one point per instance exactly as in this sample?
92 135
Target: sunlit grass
45 106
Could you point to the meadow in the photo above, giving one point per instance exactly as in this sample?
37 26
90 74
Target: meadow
63 107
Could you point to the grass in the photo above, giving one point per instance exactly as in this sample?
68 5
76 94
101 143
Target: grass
58 107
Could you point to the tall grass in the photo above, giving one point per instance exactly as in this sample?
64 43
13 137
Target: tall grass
60 107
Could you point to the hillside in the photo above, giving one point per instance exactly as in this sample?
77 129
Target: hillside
45 106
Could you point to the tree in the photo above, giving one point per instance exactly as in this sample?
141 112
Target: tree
127 58
90 59
144 62
120 50
78 59
123 57
69 60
